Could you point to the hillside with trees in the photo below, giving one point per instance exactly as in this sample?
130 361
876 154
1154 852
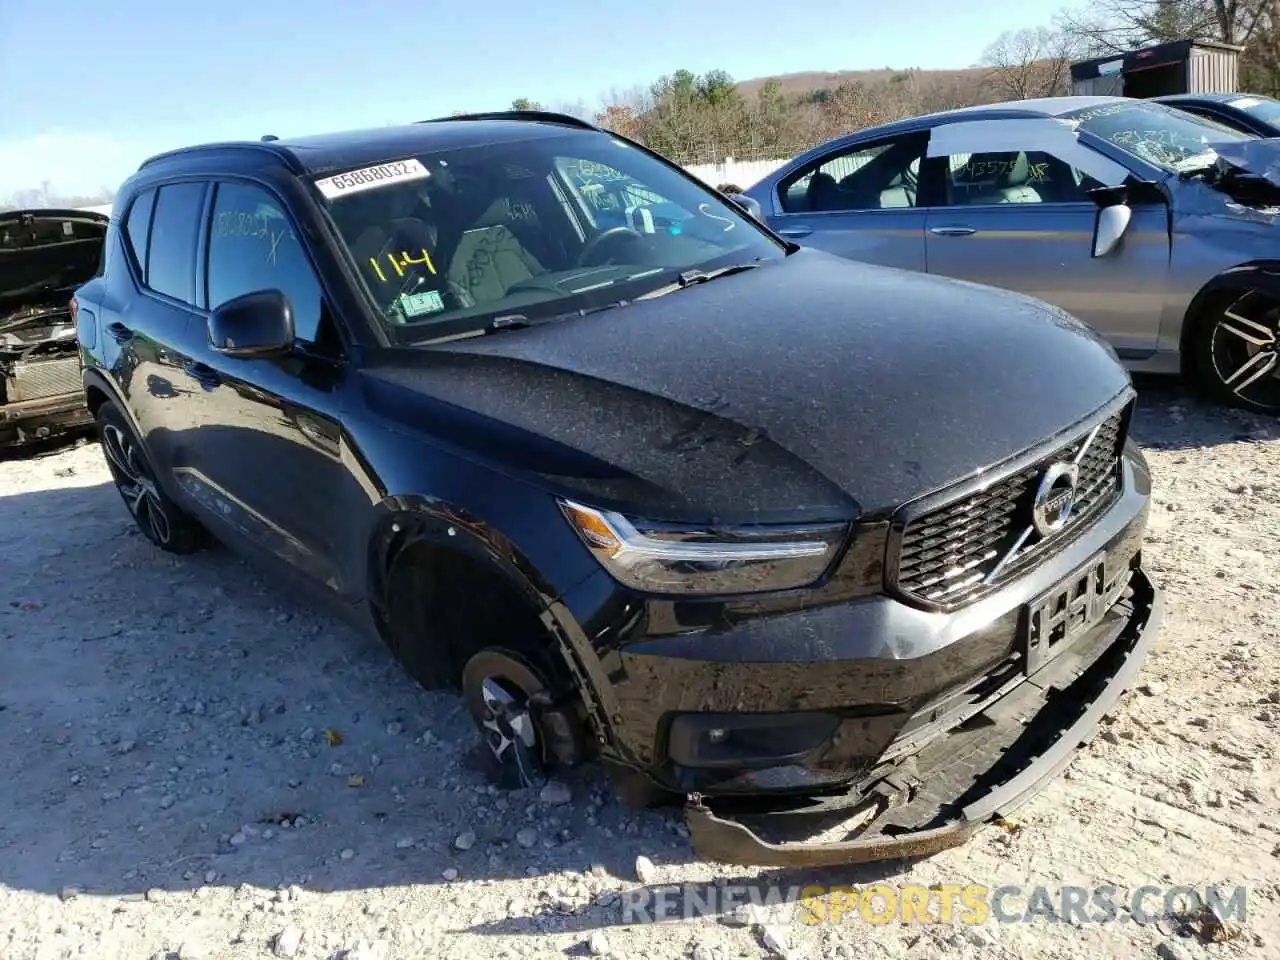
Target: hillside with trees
704 118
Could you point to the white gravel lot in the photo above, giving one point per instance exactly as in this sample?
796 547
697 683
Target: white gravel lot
169 789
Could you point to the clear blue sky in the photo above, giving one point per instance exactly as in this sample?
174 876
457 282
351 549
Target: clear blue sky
89 87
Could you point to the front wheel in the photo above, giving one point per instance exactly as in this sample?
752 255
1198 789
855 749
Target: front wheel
1236 352
161 520
501 688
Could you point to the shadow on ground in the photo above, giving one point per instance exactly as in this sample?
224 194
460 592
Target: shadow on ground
1173 416
170 723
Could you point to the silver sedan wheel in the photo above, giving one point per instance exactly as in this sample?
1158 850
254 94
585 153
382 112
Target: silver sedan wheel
1243 349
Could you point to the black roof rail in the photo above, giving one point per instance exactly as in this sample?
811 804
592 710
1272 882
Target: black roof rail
532 116
279 153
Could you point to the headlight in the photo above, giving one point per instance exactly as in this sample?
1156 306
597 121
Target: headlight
674 559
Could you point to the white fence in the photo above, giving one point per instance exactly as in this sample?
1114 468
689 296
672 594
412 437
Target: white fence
743 173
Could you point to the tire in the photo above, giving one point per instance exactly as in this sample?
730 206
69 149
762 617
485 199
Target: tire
1237 351
161 520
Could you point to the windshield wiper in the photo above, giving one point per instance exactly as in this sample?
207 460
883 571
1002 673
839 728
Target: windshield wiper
690 278
518 321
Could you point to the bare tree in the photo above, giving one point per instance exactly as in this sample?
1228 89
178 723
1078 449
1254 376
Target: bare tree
1110 26
1031 63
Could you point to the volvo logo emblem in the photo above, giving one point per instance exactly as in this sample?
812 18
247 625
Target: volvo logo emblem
1055 498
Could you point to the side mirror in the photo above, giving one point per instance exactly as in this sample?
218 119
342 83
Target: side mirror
256 324
749 206
1110 227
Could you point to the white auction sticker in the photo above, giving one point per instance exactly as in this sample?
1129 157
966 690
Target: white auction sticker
353 181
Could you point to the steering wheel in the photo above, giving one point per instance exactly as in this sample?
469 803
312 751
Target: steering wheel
608 236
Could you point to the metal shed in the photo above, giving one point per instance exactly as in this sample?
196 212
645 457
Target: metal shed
1181 66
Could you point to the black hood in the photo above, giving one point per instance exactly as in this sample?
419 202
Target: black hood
810 387
44 256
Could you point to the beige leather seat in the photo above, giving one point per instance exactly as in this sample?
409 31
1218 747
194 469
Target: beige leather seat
490 259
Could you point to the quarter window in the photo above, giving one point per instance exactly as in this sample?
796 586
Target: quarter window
171 250
252 247
138 226
875 176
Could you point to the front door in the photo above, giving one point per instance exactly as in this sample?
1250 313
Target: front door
1021 220
266 456
861 202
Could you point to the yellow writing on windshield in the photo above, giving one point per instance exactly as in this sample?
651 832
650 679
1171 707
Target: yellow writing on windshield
398 264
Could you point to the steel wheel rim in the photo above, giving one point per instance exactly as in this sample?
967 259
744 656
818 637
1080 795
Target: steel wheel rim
1244 353
509 729
136 485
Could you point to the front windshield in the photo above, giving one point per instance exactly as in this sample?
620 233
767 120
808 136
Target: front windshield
1162 136
563 221
1264 108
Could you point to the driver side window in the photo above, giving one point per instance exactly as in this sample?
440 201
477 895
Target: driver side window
610 198
875 176
252 247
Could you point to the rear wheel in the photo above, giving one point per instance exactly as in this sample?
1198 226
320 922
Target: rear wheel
161 520
1236 354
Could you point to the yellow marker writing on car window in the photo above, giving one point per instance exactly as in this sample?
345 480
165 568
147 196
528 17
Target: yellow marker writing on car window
404 261
425 261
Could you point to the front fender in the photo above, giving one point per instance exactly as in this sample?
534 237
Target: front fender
410 519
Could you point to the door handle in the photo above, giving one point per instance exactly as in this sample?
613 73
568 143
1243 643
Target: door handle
202 373
795 233
955 231
119 332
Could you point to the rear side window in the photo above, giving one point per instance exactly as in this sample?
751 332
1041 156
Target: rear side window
171 253
138 226
253 247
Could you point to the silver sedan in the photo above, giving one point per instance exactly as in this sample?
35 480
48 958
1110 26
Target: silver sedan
1158 228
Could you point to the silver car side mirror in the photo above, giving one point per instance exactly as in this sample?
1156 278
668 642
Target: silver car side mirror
1110 227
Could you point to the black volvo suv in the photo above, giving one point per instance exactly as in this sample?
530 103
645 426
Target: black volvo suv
793 539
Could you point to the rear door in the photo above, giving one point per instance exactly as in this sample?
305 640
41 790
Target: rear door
150 339
862 202
1019 218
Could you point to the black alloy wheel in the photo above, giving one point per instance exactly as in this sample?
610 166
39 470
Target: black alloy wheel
161 520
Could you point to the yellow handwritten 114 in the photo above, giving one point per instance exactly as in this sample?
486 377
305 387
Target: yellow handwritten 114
399 265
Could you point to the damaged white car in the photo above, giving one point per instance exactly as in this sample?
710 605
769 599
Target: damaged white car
45 255
1158 228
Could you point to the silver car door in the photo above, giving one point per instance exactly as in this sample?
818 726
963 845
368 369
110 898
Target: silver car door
859 202
1019 217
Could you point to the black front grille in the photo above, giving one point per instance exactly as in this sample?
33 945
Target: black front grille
948 554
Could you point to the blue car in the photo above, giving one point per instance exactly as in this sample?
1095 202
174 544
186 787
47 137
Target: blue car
1247 112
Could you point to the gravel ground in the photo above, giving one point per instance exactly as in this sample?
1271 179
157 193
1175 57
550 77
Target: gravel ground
195 764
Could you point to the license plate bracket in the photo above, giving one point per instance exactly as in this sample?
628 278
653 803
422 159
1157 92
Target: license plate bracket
1058 617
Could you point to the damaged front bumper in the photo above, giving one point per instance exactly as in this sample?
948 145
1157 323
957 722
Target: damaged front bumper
956 782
